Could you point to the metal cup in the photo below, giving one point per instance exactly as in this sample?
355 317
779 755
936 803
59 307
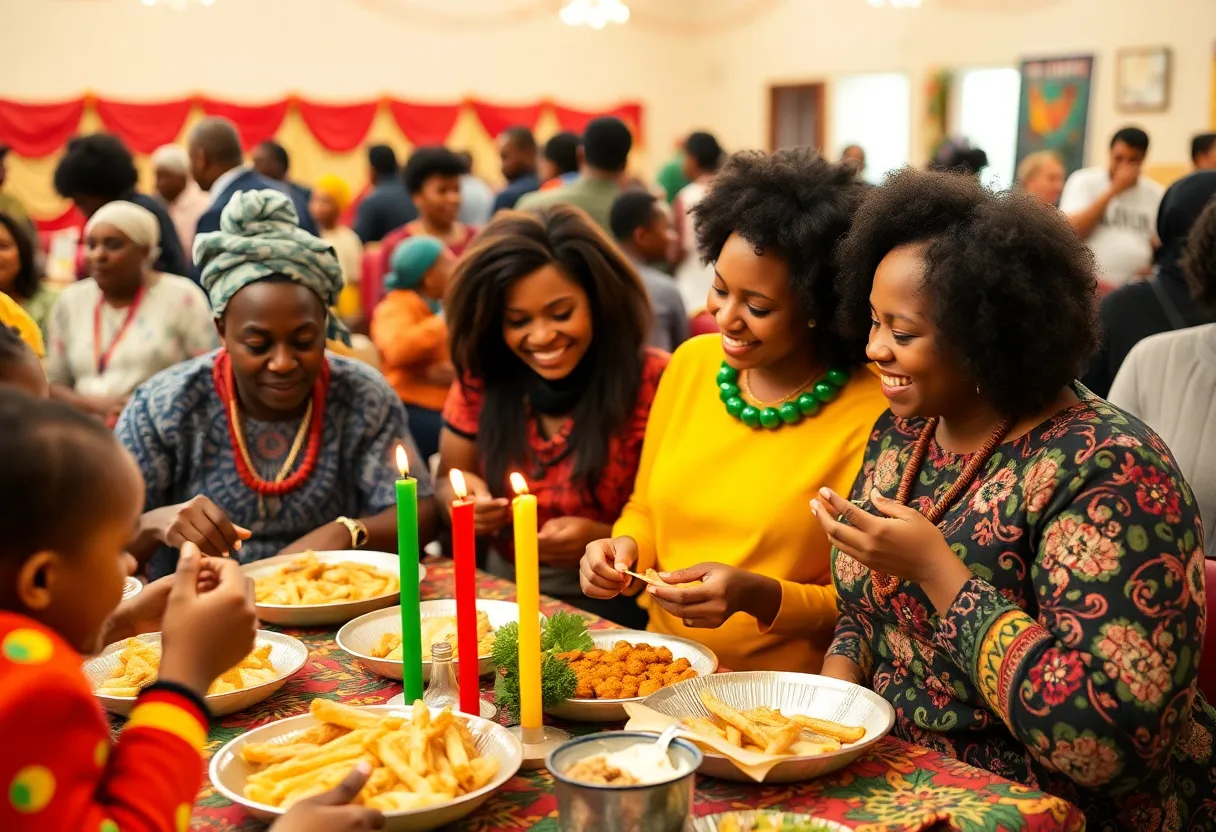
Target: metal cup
653 807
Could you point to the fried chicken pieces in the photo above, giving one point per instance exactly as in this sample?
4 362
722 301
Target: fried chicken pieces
626 671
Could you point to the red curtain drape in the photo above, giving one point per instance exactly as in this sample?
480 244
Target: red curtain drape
338 127
497 117
424 124
36 130
576 120
255 122
144 127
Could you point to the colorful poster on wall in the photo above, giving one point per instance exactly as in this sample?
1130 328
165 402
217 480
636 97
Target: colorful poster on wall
1054 107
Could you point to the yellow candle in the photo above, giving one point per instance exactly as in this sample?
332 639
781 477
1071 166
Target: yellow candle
527 593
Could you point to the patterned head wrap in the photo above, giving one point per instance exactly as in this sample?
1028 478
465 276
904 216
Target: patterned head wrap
136 222
260 236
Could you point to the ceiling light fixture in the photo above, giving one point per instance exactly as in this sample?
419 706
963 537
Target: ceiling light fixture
594 13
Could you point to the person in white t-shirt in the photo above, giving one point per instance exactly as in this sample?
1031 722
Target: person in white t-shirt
1114 209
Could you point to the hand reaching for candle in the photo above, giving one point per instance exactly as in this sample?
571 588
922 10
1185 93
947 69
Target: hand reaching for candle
562 540
601 571
723 591
490 513
198 521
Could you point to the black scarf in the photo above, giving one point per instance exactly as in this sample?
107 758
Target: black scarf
560 396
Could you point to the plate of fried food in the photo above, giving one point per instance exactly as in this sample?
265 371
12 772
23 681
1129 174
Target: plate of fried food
322 588
779 727
764 821
627 666
123 669
375 639
429 767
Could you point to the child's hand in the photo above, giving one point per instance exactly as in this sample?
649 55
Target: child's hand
146 611
330 812
205 634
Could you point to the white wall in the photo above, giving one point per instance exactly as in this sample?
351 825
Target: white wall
814 40
331 49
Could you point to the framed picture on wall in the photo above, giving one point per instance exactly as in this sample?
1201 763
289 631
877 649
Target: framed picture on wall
1143 79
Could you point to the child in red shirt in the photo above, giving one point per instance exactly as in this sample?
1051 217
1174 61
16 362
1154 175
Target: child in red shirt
72 496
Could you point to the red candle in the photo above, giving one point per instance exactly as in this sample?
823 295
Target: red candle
464 546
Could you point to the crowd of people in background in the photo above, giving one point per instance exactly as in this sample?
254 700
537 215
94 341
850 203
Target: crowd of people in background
993 403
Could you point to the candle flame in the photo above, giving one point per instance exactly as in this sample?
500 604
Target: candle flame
458 485
403 461
518 483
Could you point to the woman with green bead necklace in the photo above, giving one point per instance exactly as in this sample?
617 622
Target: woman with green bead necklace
748 425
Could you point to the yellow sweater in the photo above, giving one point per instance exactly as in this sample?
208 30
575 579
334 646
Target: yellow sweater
709 488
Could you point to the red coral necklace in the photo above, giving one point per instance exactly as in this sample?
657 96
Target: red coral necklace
311 426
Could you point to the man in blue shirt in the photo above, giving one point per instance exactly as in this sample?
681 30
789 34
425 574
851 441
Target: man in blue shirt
517 149
389 205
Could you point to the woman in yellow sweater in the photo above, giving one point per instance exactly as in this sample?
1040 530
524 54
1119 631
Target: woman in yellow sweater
748 425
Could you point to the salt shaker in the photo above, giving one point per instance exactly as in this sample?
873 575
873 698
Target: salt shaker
441 690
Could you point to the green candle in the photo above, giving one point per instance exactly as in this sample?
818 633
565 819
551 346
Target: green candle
407 551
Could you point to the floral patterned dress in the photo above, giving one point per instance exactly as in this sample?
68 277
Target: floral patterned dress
1068 662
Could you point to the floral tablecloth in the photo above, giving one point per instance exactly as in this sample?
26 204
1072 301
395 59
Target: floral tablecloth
897 786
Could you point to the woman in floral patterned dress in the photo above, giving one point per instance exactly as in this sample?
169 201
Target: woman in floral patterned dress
1020 568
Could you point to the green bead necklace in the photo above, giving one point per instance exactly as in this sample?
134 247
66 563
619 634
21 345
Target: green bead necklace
789 412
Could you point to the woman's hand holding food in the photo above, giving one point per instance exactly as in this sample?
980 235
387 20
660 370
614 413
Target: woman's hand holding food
204 634
715 593
601 572
198 521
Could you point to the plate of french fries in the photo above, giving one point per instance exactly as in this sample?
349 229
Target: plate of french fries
324 588
375 638
787 727
124 668
627 666
430 767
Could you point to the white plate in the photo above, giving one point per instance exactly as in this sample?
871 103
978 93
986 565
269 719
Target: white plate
132 587
699 656
359 637
790 693
229 772
287 654
316 615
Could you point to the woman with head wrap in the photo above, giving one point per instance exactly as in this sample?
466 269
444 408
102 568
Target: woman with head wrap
126 322
330 198
1162 302
269 444
411 334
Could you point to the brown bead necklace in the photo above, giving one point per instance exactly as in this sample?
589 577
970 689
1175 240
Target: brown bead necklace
885 585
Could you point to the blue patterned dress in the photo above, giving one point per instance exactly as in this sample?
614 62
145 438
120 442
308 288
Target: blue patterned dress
175 427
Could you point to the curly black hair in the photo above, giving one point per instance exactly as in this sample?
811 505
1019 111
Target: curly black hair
797 205
29 270
426 162
97 165
1199 259
1013 290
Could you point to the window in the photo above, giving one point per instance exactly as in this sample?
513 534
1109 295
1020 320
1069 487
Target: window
985 112
875 112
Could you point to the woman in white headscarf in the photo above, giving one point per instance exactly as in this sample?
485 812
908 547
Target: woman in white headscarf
125 322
